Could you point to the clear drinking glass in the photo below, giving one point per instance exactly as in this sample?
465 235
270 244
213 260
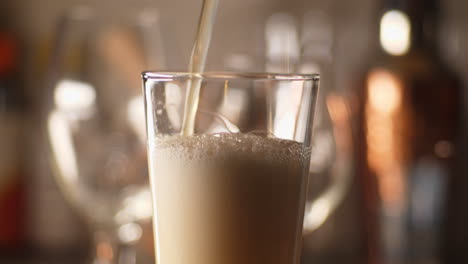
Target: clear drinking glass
95 124
234 190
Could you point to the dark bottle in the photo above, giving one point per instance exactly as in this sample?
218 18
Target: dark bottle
12 191
407 116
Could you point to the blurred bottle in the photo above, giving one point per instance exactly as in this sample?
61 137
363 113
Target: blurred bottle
408 113
12 189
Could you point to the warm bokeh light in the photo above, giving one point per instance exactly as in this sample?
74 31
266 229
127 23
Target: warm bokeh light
383 120
384 94
395 32
104 251
443 149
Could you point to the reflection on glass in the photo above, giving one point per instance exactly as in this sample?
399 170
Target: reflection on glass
62 146
286 110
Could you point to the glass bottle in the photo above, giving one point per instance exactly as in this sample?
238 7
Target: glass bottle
407 116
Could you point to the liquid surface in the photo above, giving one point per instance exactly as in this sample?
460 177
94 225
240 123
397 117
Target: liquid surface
227 199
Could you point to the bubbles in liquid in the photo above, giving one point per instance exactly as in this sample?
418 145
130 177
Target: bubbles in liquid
234 196
216 146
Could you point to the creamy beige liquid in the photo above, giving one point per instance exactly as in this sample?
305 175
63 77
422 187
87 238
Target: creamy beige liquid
197 63
227 199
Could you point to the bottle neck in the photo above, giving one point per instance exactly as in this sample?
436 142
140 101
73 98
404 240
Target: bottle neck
424 31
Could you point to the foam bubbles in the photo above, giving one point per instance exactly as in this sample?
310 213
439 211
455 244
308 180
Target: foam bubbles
222 146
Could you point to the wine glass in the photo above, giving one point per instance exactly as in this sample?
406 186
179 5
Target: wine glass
303 46
95 123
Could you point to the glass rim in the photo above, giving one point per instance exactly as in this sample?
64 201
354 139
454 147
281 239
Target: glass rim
173 75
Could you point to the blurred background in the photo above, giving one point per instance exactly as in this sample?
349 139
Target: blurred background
389 135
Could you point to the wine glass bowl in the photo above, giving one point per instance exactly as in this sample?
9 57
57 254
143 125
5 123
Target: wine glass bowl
95 123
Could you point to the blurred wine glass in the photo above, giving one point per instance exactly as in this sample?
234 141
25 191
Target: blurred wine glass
306 45
95 123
